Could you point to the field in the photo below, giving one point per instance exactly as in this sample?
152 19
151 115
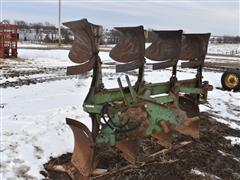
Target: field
37 96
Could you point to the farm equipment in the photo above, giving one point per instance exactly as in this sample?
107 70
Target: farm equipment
231 80
8 40
123 115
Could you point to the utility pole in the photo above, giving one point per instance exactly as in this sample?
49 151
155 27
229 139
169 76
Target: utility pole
1 9
59 23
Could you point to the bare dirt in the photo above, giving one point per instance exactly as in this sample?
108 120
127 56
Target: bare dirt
212 154
25 74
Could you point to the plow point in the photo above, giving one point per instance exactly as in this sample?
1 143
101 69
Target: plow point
83 153
164 139
191 128
129 149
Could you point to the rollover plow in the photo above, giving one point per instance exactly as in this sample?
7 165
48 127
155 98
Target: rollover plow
124 115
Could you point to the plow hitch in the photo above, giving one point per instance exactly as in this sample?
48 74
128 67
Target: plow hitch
123 116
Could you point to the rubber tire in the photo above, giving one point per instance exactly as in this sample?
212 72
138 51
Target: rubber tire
225 74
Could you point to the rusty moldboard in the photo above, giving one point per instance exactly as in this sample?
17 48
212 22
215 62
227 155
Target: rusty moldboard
122 115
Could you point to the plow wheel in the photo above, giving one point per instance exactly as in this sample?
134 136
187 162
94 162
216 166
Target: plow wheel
231 80
190 110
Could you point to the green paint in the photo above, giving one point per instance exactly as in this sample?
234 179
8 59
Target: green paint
188 90
148 94
157 114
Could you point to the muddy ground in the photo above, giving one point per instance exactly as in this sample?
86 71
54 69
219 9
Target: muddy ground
210 157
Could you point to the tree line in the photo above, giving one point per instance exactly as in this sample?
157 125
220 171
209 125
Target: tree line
48 32
227 39
45 32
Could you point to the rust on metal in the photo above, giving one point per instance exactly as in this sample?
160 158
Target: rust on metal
205 88
128 66
8 40
84 48
190 127
79 69
191 64
167 45
165 137
131 46
83 153
188 111
194 47
165 64
122 116
129 149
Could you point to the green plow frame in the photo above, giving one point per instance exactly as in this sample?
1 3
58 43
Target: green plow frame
123 115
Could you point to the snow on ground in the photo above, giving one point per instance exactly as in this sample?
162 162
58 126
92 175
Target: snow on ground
33 117
203 174
224 48
225 106
234 140
229 49
26 44
47 58
29 44
34 123
222 59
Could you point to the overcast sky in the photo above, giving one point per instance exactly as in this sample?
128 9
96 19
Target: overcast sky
220 17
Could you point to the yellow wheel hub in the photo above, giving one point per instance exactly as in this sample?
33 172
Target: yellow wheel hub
231 80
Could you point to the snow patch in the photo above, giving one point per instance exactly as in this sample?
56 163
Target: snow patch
198 172
33 117
234 140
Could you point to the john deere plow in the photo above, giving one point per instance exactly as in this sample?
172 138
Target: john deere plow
122 116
